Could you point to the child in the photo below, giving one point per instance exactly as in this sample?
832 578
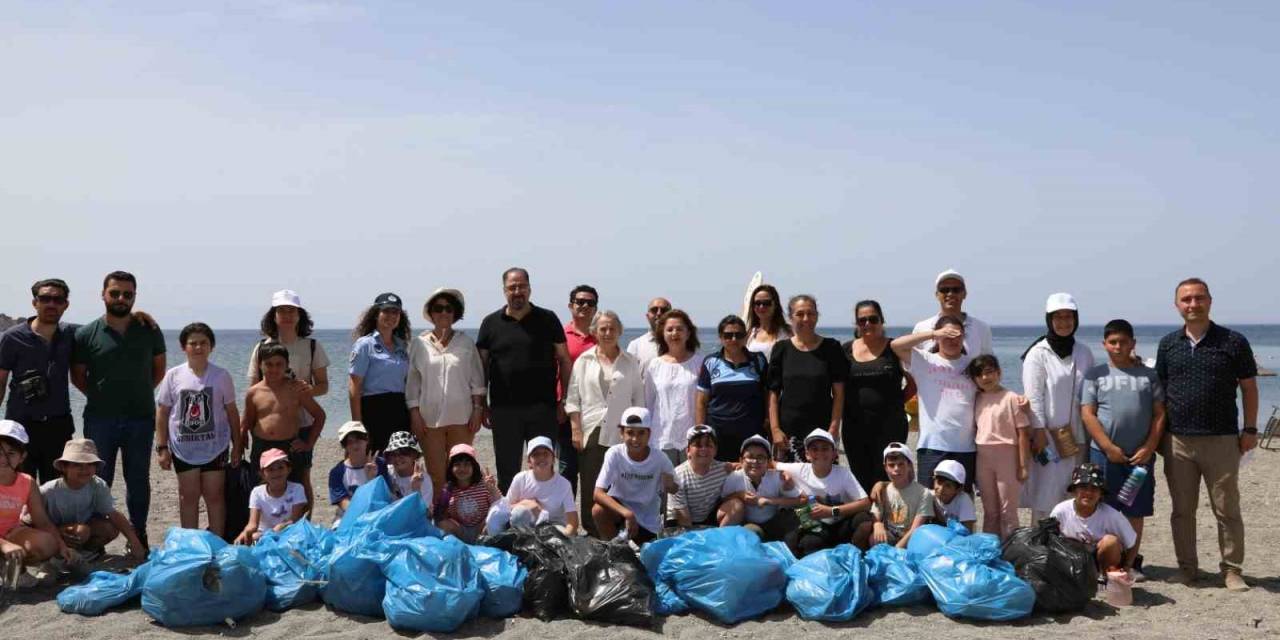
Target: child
628 489
756 492
1123 410
1085 518
405 470
950 500
902 504
272 411
355 469
20 543
841 504
196 422
277 502
1004 446
80 505
540 493
467 496
701 479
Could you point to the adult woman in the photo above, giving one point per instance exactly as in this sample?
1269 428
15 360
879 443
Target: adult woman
766 326
605 381
671 383
1053 369
873 396
806 383
731 390
445 389
289 324
379 366
946 397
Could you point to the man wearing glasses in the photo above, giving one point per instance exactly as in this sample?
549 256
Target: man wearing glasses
117 362
583 302
645 348
35 359
951 292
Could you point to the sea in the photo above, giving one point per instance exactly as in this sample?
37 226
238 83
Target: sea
233 348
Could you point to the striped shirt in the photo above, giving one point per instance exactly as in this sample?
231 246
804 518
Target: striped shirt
698 495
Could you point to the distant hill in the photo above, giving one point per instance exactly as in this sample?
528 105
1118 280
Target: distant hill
6 321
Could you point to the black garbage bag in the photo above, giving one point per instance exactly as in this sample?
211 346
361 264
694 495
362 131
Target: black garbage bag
542 552
607 583
1060 570
240 481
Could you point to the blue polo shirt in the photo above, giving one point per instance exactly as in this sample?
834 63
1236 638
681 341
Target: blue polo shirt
737 397
384 370
23 350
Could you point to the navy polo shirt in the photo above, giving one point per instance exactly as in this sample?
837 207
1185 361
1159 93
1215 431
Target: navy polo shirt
1200 381
22 350
736 393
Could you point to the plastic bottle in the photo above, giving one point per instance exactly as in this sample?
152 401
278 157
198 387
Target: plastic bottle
1129 491
807 522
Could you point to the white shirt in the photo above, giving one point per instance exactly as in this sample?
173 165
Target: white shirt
637 485
1055 385
644 349
555 496
946 396
977 334
602 409
770 487
442 380
765 347
670 393
402 486
839 487
272 510
960 508
1105 520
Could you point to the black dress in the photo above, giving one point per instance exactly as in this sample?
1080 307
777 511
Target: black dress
874 414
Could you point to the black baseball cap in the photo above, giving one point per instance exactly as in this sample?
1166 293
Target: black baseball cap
388 301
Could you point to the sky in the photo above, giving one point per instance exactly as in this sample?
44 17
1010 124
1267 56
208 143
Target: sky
223 150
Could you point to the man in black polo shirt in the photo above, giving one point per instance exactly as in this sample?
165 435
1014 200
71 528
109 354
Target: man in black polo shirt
1201 365
35 358
523 348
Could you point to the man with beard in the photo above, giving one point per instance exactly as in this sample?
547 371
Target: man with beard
117 363
645 348
523 350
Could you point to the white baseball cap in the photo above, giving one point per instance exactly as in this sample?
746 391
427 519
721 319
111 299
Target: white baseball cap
951 470
819 434
756 440
350 427
11 429
949 274
540 442
635 417
899 449
1060 302
286 298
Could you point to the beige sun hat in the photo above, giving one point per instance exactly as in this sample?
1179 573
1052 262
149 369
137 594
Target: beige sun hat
80 451
454 293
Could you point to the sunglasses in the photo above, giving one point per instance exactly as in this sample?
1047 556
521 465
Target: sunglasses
116 295
733 335
946 291
441 308
584 302
51 299
865 320
657 311
762 304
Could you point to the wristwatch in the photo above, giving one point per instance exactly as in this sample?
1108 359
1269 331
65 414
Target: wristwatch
835 512
1251 431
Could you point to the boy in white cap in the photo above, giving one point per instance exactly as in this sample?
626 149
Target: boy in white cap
540 494
951 501
631 481
950 289
701 478
80 505
761 497
901 504
22 543
839 504
355 469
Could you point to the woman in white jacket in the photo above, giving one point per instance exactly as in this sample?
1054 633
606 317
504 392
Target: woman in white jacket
1053 371
605 381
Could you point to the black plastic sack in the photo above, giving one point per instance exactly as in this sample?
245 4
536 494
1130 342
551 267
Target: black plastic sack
546 589
239 484
1060 570
607 583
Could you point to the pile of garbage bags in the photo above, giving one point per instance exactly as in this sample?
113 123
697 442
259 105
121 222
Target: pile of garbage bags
1060 570
968 579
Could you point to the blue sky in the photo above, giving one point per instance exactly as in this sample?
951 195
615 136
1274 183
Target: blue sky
847 149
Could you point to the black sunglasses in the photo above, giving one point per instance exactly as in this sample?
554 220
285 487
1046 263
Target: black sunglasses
733 335
115 295
584 302
441 308
946 291
865 320
657 311
763 304
51 299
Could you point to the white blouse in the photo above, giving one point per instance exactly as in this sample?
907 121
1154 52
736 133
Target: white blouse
600 401
1054 385
670 391
765 346
443 379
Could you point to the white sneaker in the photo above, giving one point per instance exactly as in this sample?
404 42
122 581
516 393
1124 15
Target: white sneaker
1137 576
26 581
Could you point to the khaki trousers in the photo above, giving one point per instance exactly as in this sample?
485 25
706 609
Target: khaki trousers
439 441
1216 459
590 459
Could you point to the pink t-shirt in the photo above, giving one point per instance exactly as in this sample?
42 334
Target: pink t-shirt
13 498
998 417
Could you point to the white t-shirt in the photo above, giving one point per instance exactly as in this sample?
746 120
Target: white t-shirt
1105 520
670 393
637 485
274 510
770 487
644 349
555 496
946 402
403 486
977 334
961 507
199 429
839 487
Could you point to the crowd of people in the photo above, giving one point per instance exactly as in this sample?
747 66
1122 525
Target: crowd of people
623 442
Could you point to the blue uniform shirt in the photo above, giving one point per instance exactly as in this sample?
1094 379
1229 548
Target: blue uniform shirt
384 370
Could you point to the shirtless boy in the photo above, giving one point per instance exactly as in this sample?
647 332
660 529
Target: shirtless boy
271 414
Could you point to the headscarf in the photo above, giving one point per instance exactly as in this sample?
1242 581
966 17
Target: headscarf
1062 346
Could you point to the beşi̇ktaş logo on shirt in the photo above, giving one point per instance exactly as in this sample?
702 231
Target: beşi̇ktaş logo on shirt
196 417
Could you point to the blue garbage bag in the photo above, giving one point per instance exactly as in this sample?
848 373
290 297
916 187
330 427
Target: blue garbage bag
355 583
968 579
829 585
294 562
197 579
780 552
369 497
666 601
927 539
893 577
432 584
725 572
503 579
103 591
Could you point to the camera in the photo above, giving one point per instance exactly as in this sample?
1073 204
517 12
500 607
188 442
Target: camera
33 385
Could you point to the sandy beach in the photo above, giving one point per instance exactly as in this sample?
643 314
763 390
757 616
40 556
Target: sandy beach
1161 609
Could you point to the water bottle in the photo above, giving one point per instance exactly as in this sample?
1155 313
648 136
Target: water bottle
807 522
1129 491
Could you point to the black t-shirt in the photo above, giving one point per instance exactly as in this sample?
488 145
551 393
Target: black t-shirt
803 381
522 356
873 392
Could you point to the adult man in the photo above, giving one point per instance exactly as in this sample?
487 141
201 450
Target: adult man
645 348
1201 365
117 363
523 350
950 289
583 302
35 359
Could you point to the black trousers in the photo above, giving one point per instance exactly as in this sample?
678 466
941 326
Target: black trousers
47 439
383 414
513 426
864 443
